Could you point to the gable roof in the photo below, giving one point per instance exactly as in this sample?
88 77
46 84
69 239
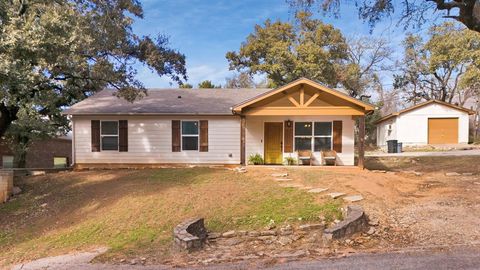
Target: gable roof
432 101
317 85
166 101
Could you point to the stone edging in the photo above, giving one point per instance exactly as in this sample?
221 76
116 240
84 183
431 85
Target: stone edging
190 234
355 221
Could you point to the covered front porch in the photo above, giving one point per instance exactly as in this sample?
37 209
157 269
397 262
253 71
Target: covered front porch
302 117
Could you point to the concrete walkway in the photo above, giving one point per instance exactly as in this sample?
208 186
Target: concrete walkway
474 152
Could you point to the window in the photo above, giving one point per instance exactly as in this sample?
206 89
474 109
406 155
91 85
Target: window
109 135
313 136
60 162
190 135
7 161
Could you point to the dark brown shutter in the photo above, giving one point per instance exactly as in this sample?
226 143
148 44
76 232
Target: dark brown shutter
337 136
95 130
203 135
176 136
123 136
288 137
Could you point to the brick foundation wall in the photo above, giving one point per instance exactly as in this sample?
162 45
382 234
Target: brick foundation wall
41 153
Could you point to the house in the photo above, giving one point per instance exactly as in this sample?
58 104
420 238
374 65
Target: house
47 153
216 126
430 122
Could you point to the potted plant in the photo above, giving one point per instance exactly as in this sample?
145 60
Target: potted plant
256 159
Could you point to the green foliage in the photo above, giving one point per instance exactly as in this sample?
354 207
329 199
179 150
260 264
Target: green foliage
185 85
207 84
256 159
445 67
409 13
56 53
285 52
290 161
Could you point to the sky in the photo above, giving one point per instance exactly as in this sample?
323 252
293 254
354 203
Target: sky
205 30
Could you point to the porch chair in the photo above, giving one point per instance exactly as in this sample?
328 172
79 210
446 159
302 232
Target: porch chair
304 155
329 157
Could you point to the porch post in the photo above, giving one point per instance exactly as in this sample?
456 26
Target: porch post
242 140
361 142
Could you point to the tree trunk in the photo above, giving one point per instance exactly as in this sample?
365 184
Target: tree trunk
20 158
7 116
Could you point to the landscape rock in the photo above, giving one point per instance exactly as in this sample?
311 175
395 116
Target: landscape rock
353 198
335 195
371 231
16 190
309 227
283 179
467 174
214 235
280 174
355 221
268 233
228 234
253 234
452 174
190 234
317 190
284 240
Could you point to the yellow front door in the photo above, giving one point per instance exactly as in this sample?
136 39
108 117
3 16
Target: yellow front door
273 143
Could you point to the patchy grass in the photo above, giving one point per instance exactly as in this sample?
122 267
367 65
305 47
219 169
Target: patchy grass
134 212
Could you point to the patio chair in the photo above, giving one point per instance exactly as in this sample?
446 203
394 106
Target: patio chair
304 156
329 157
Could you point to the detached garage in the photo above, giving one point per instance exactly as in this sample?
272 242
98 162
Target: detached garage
431 122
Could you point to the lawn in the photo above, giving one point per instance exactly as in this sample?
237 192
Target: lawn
133 212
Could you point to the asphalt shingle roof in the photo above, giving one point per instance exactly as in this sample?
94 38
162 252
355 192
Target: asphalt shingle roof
167 101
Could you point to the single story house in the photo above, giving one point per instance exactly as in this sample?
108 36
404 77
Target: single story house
430 122
216 126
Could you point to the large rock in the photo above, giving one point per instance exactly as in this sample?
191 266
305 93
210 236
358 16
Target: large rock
190 234
16 191
355 221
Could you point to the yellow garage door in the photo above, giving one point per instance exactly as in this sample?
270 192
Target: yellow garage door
442 130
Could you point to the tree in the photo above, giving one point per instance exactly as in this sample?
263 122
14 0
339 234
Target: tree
207 84
411 12
185 85
56 53
240 80
443 68
284 51
367 57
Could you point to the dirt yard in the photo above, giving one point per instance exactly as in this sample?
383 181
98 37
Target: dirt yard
133 212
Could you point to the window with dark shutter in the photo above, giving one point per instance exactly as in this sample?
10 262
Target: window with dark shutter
95 130
288 137
337 136
176 136
203 135
123 135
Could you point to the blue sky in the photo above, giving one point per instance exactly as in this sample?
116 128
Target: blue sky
205 30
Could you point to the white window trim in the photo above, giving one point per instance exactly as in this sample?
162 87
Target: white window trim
313 136
190 135
109 135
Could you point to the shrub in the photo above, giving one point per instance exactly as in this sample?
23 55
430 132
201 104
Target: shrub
290 161
256 159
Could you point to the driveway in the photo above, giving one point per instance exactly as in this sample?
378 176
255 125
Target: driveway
473 152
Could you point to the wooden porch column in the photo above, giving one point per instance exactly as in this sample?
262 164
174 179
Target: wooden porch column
242 140
361 142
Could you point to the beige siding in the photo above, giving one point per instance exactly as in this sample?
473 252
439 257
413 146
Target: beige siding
254 135
150 141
